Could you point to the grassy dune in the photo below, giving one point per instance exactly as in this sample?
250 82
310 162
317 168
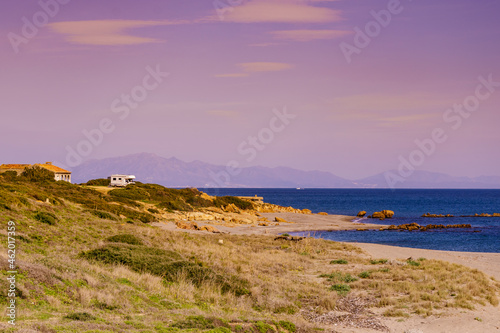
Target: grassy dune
103 268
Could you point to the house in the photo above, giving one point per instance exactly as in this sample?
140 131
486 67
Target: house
121 180
59 173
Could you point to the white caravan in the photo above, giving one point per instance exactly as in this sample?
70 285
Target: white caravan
121 180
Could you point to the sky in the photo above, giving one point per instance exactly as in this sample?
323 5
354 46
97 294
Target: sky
353 87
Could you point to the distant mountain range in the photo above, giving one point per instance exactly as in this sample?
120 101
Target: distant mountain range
151 168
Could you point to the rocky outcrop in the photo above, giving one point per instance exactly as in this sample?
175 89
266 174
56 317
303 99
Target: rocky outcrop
450 215
385 214
323 213
194 226
361 213
388 213
271 208
279 219
417 227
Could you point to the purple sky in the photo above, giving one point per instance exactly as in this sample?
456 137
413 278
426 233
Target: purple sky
229 70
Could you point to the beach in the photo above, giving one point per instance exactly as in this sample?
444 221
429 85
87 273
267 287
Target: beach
480 320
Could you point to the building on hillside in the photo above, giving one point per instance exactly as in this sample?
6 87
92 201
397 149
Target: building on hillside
121 180
59 173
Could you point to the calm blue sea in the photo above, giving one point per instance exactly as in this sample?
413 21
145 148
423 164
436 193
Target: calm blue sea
409 205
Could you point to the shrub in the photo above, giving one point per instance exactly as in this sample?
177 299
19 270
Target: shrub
290 327
81 316
45 217
263 327
153 210
341 289
125 238
364 275
339 277
200 322
167 264
227 200
379 261
339 262
412 262
102 215
98 182
37 174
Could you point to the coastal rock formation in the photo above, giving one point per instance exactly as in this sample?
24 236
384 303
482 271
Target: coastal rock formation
450 215
271 208
388 213
194 226
279 219
385 214
209 228
416 226
361 213
323 213
377 215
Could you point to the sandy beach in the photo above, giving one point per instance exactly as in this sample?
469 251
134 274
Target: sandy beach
481 320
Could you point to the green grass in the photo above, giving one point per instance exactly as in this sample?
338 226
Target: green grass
341 289
126 239
339 262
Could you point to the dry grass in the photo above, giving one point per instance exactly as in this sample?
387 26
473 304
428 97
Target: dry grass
284 279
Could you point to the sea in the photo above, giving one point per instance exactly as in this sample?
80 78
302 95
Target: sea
408 205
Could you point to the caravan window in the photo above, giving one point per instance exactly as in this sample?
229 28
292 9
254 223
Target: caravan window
114 178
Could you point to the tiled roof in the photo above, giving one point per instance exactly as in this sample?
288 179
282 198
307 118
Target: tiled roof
49 167
14 166
53 168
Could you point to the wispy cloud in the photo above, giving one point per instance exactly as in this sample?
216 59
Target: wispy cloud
265 66
308 35
282 11
252 67
107 32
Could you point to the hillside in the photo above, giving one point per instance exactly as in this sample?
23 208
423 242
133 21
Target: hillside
91 261
173 172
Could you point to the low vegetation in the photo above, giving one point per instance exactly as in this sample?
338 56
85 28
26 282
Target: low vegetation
82 268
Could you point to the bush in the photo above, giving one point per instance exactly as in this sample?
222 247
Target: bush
125 238
47 218
81 316
339 277
290 327
339 262
379 261
227 200
37 174
98 182
167 264
200 322
102 215
364 275
341 289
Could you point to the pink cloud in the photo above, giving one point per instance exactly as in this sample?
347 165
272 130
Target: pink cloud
284 11
265 66
106 32
308 35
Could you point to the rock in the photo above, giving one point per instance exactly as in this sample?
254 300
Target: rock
221 241
209 228
378 215
496 214
323 213
361 214
306 211
187 226
388 213
279 219
262 224
263 219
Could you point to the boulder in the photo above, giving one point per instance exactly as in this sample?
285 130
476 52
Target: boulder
388 213
210 228
279 219
187 226
378 215
323 213
361 214
306 211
